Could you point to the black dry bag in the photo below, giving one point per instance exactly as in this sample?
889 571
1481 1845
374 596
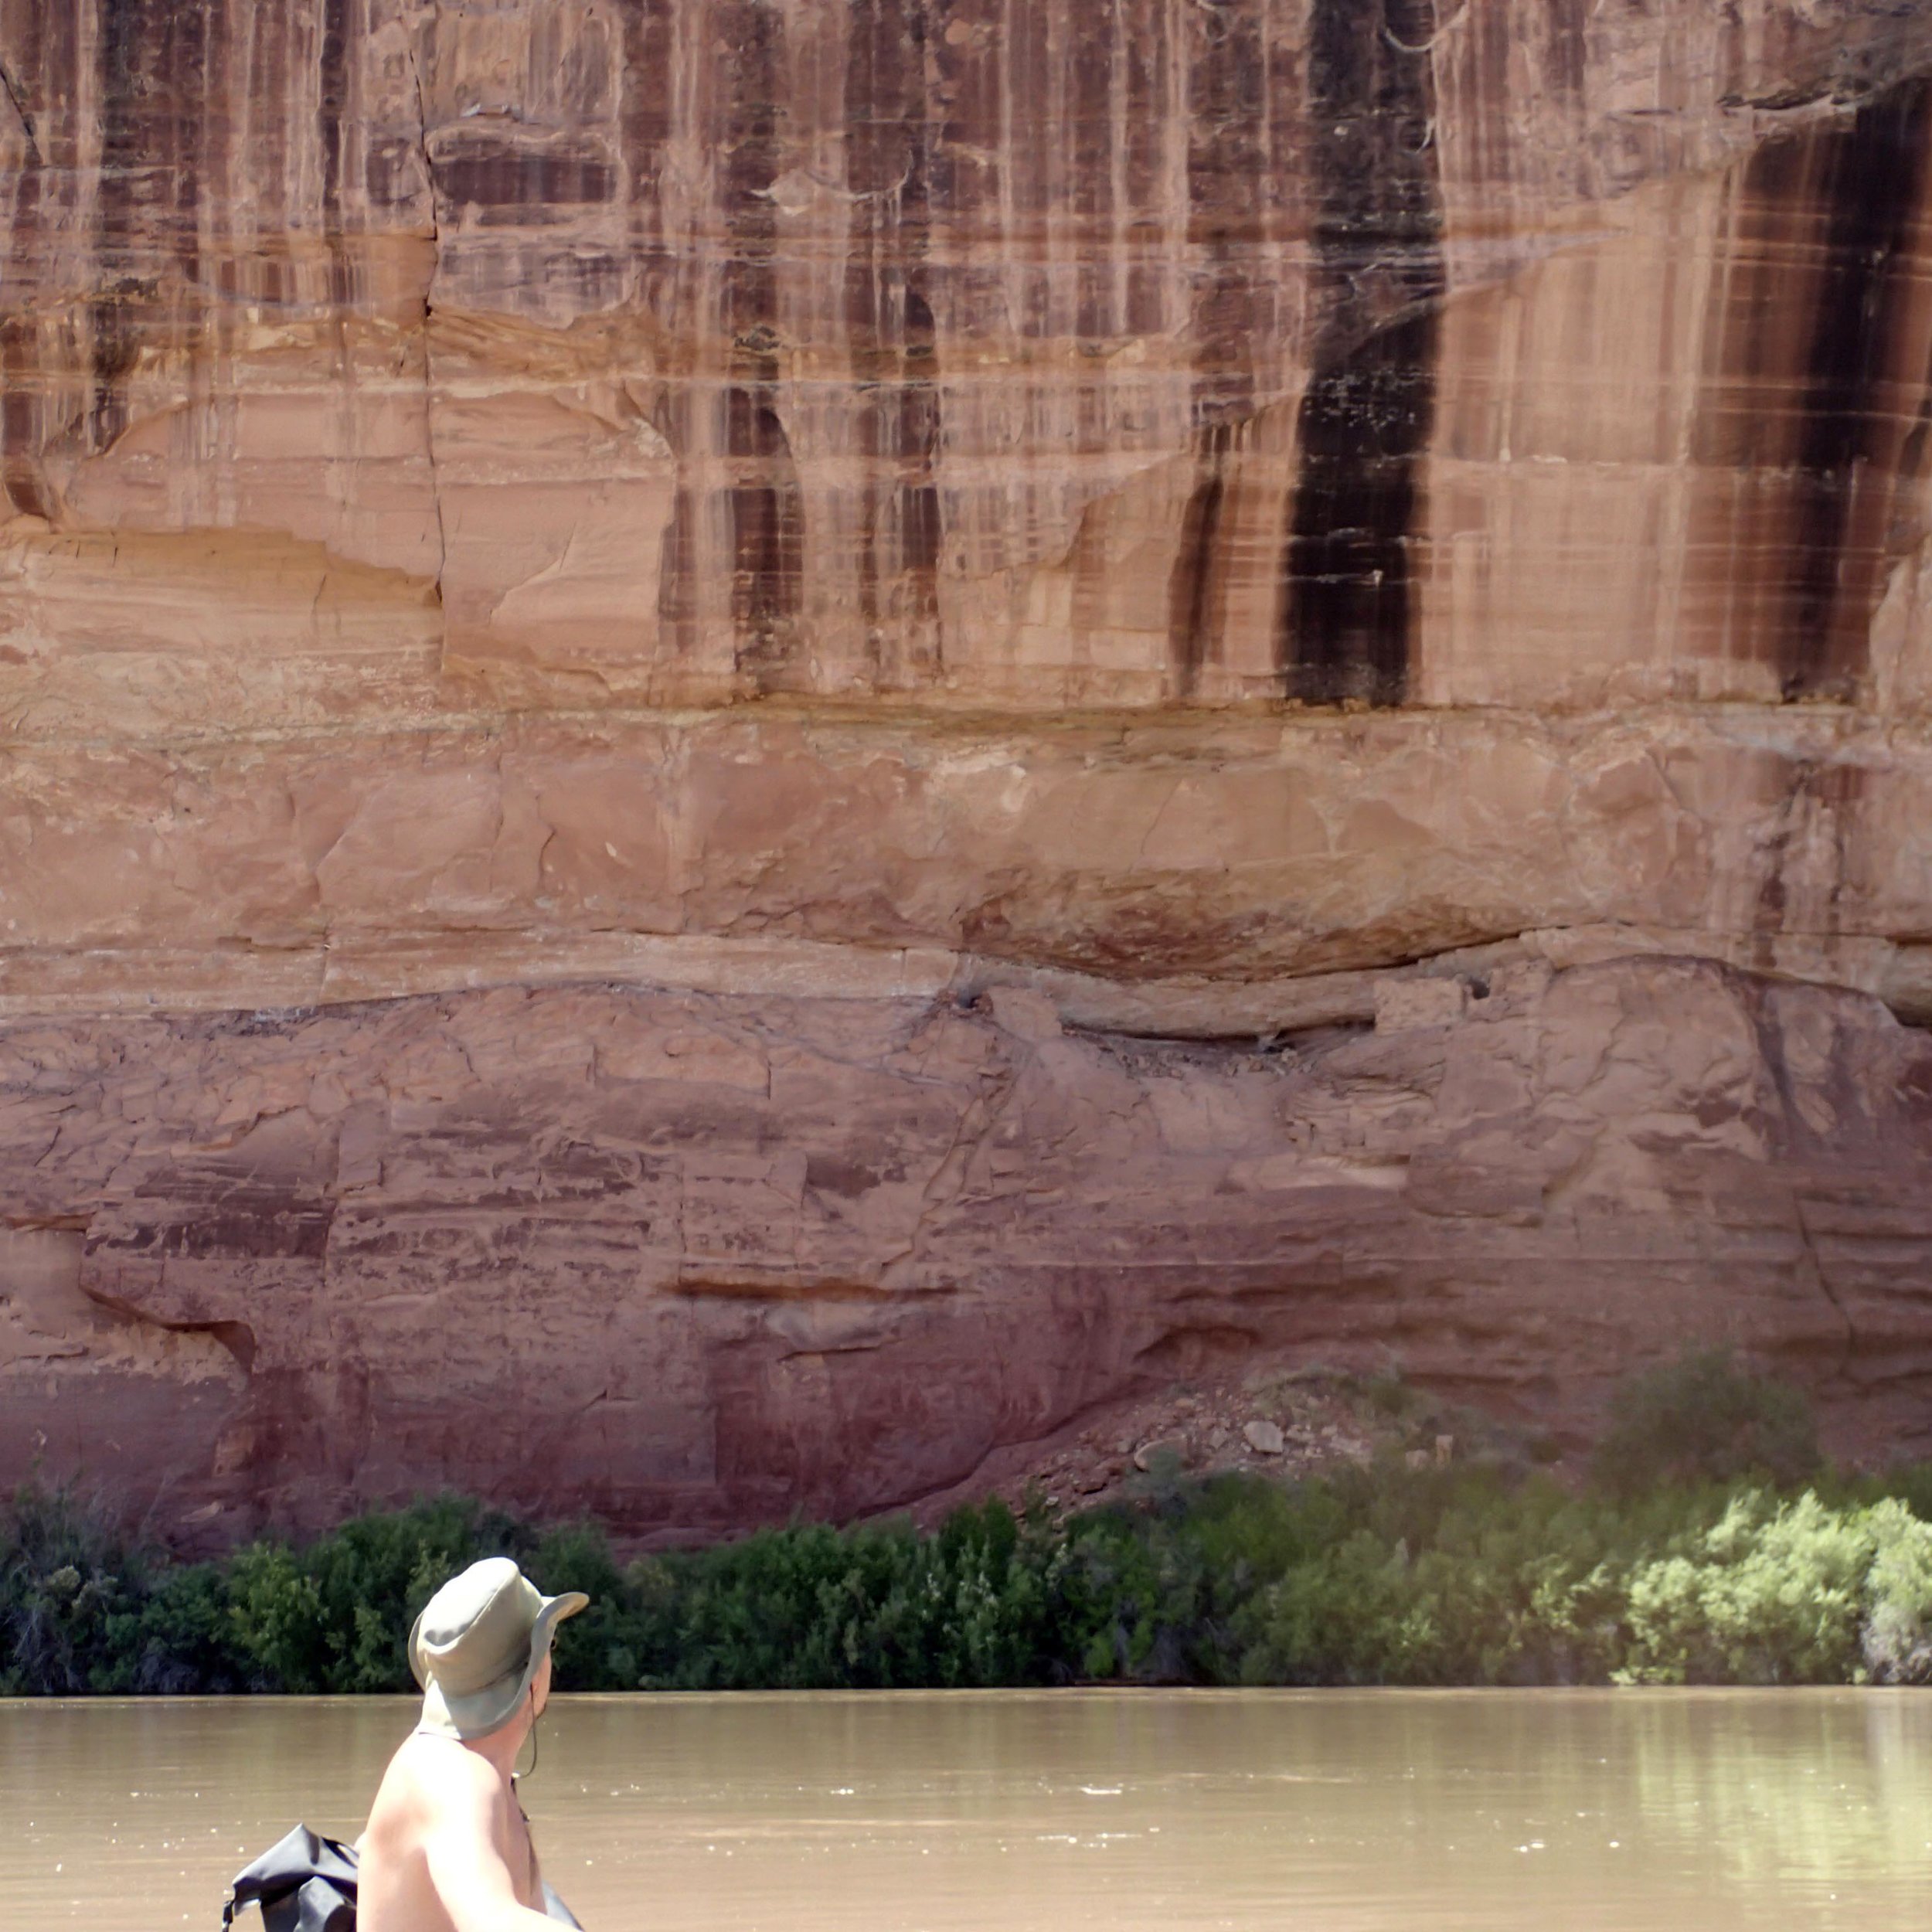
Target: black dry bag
307 1883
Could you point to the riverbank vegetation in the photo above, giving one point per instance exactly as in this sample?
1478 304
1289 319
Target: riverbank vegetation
1709 1545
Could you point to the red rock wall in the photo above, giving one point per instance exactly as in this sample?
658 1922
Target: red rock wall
696 1261
1143 354
735 518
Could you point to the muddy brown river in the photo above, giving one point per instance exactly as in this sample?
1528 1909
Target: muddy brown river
1053 1812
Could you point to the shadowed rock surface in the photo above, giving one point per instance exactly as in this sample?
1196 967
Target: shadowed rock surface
770 522
695 1261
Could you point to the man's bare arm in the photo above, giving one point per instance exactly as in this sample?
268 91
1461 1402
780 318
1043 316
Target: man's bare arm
463 1846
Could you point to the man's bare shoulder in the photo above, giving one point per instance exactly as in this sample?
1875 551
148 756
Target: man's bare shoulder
431 1780
433 1854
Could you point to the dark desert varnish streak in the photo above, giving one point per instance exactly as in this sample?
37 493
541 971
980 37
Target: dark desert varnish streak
1370 408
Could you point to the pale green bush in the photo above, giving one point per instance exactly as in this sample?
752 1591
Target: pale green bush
1896 1641
1771 1593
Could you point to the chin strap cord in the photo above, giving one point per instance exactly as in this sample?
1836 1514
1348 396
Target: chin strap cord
517 1778
516 1792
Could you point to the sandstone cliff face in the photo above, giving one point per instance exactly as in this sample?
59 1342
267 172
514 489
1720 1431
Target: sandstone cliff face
680 351
769 521
696 1261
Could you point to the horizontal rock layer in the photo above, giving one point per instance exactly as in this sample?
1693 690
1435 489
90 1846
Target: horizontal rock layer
694 1261
808 852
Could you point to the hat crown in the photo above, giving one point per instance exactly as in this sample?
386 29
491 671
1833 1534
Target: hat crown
477 1627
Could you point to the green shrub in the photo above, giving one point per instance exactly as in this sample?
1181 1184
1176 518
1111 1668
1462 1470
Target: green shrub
1703 1419
877 1606
803 1608
1447 1576
1350 1614
1517 1586
335 1615
63 1573
1896 1638
176 1635
1161 1592
1772 1593
1461 1575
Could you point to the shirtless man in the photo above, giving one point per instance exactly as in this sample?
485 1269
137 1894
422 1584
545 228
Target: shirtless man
448 1848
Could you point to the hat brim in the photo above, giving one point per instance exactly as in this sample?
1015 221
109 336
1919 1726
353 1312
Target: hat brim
489 1710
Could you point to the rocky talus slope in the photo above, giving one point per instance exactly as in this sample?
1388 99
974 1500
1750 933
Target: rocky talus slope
750 747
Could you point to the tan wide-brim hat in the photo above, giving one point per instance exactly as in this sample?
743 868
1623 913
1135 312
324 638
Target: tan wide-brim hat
478 1643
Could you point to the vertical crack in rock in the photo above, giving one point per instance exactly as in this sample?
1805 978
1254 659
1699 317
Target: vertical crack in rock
767 532
648 77
1807 856
1822 1278
1368 410
1227 155
1790 1130
894 343
15 95
338 31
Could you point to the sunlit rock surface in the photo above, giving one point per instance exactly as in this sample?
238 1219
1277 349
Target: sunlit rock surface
769 520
